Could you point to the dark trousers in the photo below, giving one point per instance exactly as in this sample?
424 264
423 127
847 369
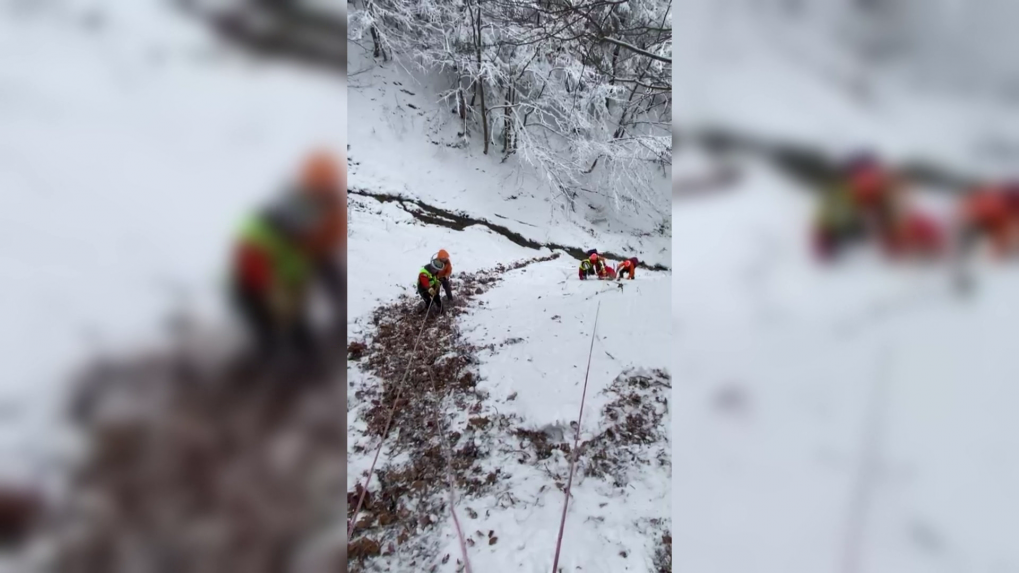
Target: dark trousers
434 301
272 339
334 279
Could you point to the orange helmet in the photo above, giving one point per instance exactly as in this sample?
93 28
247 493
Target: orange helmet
442 254
594 257
321 173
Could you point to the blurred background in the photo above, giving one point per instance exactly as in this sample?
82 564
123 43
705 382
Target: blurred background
844 232
135 139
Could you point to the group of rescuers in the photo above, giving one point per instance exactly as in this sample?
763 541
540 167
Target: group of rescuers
870 203
297 242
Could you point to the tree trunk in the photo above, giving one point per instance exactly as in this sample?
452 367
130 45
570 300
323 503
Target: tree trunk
612 82
379 50
480 85
461 103
507 129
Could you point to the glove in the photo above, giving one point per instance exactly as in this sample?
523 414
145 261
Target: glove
431 292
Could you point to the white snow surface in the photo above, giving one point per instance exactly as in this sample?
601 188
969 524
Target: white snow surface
401 138
130 150
842 369
539 379
745 70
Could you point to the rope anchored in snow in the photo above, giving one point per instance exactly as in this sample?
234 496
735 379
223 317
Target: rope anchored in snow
576 444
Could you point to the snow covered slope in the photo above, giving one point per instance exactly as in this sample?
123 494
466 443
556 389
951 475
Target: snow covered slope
818 403
132 143
530 333
545 317
404 142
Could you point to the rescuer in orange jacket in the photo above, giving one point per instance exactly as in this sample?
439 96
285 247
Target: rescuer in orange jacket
445 272
627 267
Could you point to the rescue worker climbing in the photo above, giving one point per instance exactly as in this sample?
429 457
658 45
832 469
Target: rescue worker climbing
445 272
281 251
627 267
428 286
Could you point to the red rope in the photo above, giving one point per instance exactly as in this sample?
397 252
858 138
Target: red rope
385 432
576 444
451 483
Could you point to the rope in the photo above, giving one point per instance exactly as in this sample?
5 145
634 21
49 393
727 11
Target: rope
450 482
863 491
389 421
576 444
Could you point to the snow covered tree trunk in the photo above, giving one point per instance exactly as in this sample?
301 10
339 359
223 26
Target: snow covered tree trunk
507 133
479 86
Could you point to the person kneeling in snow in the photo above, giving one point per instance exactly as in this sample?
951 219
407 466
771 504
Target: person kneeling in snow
627 267
428 285
593 265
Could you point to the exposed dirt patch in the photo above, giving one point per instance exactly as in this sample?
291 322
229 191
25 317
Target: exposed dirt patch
434 390
633 432
198 463
663 555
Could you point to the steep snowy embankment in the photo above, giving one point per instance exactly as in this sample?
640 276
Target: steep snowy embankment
545 317
404 142
531 331
132 143
786 367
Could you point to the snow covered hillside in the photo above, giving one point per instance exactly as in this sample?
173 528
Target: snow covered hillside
829 415
404 142
496 382
132 143
528 336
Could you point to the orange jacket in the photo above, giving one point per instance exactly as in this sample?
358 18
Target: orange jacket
626 267
446 271
328 237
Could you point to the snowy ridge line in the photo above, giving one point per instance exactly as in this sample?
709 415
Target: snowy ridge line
459 221
389 422
576 443
811 164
